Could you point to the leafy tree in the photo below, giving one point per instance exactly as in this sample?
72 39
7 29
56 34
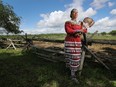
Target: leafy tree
103 33
8 19
113 32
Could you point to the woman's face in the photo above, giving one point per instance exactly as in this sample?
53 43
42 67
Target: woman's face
74 15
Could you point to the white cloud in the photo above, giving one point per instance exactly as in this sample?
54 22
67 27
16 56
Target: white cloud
110 4
90 12
44 30
2 31
113 12
105 24
54 21
97 4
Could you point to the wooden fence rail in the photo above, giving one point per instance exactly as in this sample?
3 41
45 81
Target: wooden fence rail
111 42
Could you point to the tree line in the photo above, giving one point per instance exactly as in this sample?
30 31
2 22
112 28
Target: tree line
113 32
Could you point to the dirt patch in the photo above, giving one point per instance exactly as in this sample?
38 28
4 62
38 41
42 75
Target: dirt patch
48 44
104 50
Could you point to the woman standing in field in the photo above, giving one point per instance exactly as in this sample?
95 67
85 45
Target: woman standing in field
73 43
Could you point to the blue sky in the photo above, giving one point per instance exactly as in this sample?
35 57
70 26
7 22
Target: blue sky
49 16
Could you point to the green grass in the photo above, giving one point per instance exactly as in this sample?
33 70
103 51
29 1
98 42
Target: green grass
106 37
19 69
52 36
59 36
62 36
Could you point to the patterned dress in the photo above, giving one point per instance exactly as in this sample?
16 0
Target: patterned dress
72 45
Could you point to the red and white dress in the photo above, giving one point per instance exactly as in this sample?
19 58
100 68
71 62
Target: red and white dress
72 45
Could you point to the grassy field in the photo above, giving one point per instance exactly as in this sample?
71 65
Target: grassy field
58 36
19 69
105 37
62 36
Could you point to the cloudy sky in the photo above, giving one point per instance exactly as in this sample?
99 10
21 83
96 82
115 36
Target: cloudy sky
49 16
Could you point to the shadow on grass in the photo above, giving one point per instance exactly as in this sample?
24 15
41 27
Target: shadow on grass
108 56
28 70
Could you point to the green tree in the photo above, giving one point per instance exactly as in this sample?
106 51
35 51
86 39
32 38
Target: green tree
103 33
113 32
8 19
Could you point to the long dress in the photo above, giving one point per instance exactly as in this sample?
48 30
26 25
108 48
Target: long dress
72 45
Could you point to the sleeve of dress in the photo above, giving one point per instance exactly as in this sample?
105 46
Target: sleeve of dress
68 28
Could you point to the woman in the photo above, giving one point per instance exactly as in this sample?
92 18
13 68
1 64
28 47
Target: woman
73 43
